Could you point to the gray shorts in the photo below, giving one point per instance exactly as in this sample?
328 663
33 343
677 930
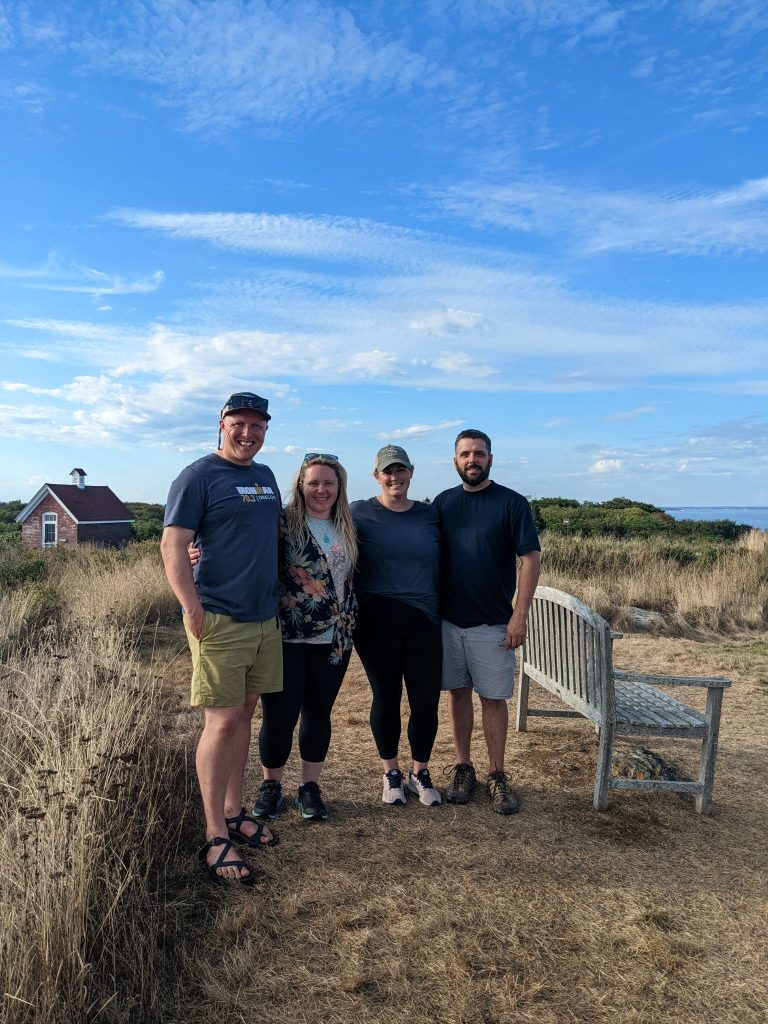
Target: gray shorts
472 657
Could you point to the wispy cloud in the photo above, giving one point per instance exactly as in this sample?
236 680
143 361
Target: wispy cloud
320 237
30 97
595 221
418 432
55 275
631 414
266 63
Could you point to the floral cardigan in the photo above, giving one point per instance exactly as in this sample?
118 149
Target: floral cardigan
309 604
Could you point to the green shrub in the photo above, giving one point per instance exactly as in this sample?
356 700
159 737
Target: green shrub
20 565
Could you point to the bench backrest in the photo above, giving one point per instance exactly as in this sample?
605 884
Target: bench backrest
568 651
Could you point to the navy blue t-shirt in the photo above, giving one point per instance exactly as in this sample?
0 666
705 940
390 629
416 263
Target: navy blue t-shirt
483 533
399 554
234 511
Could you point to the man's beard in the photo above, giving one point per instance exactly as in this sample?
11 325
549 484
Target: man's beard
479 478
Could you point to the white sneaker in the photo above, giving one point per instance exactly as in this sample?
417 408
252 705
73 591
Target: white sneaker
421 784
393 787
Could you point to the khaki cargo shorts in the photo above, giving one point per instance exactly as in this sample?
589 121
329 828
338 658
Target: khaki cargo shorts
473 657
232 659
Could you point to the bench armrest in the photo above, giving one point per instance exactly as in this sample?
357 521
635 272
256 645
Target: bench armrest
638 677
616 636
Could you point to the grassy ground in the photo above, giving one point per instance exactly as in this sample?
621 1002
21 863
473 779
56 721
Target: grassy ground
644 914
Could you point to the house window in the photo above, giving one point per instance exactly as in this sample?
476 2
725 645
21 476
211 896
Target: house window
50 524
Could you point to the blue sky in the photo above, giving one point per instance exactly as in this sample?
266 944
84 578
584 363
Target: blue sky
395 220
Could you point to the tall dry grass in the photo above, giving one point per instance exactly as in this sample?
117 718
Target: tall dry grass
86 586
92 793
89 786
712 588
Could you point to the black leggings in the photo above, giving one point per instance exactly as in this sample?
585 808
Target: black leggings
310 687
397 642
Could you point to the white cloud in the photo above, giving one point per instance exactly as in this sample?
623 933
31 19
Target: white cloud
460 364
371 364
449 321
558 423
56 275
317 237
265 63
605 24
28 97
632 414
602 466
418 432
707 221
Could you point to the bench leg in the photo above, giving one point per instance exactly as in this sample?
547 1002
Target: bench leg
603 771
709 750
522 699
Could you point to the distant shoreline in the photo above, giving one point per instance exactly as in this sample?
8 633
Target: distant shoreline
755 516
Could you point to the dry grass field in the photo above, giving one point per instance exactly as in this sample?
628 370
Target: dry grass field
644 914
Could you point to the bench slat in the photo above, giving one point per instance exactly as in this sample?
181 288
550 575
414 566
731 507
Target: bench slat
638 704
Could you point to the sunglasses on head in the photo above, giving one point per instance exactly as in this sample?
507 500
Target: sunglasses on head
320 455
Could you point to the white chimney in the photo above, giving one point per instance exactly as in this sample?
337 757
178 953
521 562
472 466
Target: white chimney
78 477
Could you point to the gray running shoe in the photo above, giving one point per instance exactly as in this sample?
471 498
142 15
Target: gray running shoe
462 783
421 785
503 797
269 800
393 788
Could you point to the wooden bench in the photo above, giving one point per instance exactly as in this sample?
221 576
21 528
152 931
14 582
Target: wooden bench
568 651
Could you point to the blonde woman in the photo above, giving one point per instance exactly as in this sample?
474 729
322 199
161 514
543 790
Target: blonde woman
318 607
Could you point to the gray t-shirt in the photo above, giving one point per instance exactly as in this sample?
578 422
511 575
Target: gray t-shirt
399 554
234 511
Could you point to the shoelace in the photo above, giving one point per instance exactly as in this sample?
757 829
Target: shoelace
501 783
395 778
424 778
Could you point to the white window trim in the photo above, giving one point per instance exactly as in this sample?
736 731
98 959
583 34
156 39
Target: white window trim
50 519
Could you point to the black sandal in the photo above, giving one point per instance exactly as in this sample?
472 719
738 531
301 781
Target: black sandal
212 869
254 841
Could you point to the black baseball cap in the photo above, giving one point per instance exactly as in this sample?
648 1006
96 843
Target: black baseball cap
245 400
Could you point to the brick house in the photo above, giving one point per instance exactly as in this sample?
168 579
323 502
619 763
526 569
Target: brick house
74 514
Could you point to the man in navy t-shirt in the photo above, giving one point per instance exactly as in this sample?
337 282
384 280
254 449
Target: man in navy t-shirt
485 529
230 507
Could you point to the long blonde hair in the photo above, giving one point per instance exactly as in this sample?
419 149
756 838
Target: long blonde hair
295 512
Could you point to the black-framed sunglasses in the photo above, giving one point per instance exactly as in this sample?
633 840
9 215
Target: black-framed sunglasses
320 455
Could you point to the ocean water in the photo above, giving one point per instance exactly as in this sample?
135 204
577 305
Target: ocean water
756 516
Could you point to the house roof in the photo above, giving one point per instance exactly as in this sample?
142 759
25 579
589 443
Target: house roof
84 504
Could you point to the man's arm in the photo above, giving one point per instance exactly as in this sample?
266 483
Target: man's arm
178 569
527 580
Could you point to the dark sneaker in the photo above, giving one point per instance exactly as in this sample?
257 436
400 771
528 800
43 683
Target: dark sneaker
462 783
421 785
393 788
310 803
502 796
269 800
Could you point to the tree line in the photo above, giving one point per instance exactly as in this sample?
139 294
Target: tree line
619 517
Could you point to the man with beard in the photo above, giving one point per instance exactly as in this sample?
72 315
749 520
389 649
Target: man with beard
485 528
